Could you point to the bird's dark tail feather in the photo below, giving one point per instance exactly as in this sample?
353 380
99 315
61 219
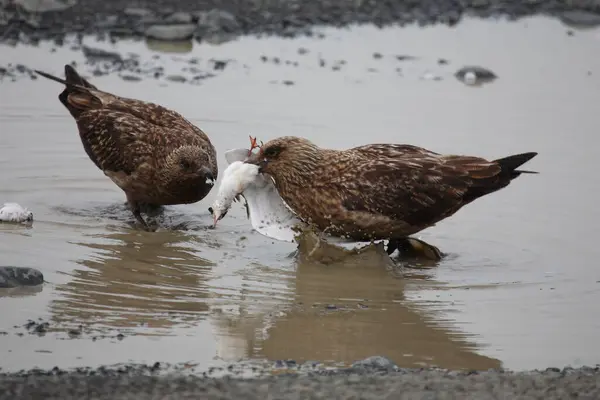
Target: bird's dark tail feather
510 164
77 95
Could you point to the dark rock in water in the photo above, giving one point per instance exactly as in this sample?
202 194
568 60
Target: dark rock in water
171 32
41 328
19 276
176 78
578 18
131 78
375 362
203 76
219 64
37 327
73 333
101 55
472 74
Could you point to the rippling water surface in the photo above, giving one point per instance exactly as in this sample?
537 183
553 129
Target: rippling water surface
521 288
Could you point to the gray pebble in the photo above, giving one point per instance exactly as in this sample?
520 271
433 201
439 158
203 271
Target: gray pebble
101 55
130 78
19 276
180 18
176 78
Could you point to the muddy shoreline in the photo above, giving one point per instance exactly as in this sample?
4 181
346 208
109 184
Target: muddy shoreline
149 382
175 25
29 21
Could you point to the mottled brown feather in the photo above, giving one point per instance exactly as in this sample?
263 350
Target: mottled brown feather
377 191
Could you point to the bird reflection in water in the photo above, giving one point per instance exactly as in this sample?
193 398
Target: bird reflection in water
134 278
351 308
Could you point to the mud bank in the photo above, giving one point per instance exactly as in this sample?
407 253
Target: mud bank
144 383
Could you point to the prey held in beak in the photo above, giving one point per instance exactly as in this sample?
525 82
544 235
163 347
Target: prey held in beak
256 159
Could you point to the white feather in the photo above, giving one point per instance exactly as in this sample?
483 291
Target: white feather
13 212
236 178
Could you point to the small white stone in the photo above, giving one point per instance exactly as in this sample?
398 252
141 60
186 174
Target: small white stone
470 78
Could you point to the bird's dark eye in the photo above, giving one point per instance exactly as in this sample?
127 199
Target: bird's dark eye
272 151
185 164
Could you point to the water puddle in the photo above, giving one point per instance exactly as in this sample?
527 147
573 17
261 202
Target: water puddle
520 288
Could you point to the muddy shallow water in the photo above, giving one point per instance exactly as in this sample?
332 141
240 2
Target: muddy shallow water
520 289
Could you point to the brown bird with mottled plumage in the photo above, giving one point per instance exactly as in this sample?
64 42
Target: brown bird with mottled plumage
379 191
154 154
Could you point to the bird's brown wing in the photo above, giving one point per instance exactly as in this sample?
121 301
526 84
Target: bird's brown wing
419 189
393 151
118 141
173 122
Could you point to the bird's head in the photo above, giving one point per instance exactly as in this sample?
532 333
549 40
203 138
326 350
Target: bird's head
285 155
192 163
219 210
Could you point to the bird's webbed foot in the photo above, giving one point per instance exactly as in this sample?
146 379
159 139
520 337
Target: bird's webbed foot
414 248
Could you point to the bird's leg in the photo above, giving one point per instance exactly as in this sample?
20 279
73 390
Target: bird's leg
412 247
151 210
316 246
135 209
392 246
320 236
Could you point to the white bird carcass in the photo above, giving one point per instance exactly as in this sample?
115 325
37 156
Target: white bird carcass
15 213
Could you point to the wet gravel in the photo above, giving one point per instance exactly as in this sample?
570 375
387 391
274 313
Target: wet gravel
68 22
377 382
215 20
